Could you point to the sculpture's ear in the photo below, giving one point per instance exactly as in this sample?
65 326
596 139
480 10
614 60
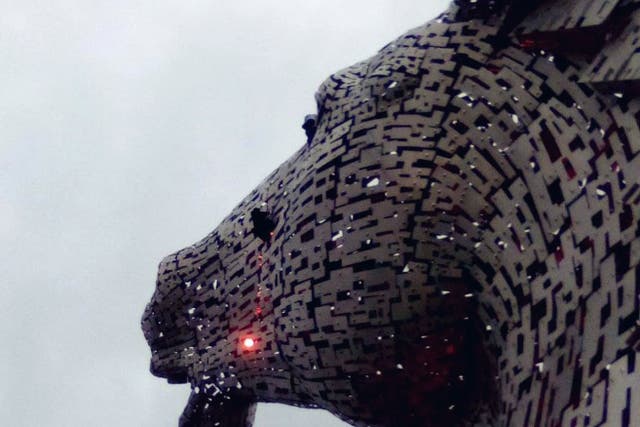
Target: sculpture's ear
538 15
504 13
479 9
605 33
207 411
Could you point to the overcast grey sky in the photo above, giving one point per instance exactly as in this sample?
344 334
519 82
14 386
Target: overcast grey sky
128 130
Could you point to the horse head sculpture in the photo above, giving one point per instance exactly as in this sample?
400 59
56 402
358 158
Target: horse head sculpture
456 243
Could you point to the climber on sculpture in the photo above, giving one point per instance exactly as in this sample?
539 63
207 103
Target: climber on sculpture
263 224
309 126
456 243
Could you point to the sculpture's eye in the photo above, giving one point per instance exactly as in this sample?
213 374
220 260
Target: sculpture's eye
309 125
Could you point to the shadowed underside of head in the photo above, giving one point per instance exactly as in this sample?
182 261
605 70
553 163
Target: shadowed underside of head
456 243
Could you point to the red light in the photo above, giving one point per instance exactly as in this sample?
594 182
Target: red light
248 343
527 43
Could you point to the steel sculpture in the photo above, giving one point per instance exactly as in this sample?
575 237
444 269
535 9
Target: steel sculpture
457 243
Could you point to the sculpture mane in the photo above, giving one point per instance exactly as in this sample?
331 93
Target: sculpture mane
457 242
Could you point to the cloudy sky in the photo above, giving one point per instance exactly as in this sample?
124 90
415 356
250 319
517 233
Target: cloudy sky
129 129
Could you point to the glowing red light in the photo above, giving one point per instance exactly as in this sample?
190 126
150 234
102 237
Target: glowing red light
248 343
527 43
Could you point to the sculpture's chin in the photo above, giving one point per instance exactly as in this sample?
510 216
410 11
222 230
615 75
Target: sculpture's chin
168 361
174 375
225 411
169 344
